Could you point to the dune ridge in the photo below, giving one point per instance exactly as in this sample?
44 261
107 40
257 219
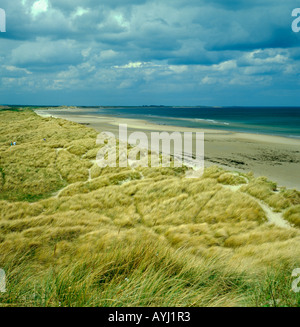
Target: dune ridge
75 234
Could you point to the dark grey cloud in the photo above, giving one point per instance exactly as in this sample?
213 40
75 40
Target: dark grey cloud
163 48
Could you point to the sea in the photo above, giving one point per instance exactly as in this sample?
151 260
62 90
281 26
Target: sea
280 121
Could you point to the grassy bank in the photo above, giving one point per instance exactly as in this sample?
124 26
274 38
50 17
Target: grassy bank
73 234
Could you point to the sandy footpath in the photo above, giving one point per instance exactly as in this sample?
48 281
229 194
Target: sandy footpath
277 158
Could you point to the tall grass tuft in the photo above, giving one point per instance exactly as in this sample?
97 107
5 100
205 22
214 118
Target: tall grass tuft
74 234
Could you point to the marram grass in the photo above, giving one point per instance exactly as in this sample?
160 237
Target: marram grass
72 234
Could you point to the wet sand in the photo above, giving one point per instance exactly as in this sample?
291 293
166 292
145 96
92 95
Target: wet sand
277 158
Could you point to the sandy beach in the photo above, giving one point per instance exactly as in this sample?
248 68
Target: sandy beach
275 157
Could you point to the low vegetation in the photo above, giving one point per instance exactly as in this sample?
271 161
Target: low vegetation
74 234
267 191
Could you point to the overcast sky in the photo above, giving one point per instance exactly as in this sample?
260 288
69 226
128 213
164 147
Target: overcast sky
171 52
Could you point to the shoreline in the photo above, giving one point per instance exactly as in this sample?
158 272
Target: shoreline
275 157
94 112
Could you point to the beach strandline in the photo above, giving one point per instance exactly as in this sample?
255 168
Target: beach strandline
275 157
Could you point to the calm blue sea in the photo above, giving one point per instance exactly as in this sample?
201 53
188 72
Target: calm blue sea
265 120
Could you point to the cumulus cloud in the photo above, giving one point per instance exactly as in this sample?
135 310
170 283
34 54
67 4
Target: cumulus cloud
139 51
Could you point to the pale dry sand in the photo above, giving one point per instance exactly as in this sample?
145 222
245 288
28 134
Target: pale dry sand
277 158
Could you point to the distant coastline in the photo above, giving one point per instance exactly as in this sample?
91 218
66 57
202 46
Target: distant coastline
275 157
276 121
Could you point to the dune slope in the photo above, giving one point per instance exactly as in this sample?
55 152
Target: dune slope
74 234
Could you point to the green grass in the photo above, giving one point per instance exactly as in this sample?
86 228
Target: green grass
143 237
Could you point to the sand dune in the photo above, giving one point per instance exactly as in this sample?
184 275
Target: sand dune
275 157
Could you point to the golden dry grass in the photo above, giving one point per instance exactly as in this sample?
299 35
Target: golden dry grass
267 191
140 237
293 215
